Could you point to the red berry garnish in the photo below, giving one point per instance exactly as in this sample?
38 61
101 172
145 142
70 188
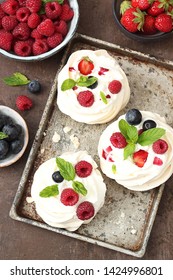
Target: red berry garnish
85 210
53 10
85 66
22 14
115 86
69 197
102 71
157 161
83 169
140 157
23 103
160 146
118 140
85 98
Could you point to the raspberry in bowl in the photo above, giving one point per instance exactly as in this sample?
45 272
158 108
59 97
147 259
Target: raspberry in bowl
13 136
68 190
137 150
35 30
92 87
144 20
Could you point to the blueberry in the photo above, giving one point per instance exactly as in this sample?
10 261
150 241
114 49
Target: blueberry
93 85
133 117
5 120
56 176
34 86
4 148
16 146
12 130
148 124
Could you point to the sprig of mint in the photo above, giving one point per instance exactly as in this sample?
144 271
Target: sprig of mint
66 169
103 97
3 135
16 79
82 82
49 191
79 188
146 138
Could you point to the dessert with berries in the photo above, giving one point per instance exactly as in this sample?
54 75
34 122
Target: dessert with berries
30 27
68 191
92 87
137 150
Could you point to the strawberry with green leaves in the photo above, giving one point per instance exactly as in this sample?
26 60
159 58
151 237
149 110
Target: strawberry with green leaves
142 4
85 66
132 19
155 9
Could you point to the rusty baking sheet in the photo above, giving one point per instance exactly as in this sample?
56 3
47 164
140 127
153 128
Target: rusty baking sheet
125 221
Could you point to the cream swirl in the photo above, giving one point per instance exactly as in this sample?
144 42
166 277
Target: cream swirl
51 209
127 172
100 111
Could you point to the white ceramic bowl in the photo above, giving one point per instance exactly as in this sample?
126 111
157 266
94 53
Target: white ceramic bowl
69 36
12 158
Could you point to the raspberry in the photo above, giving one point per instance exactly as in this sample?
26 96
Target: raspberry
2 13
33 5
10 7
83 169
21 31
34 20
46 27
160 146
23 102
118 140
40 46
36 35
6 39
0 23
22 3
9 23
69 197
85 210
54 40
61 27
85 98
53 10
67 13
22 14
22 48
157 161
114 86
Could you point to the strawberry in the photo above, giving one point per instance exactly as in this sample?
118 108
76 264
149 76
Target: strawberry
149 25
157 161
155 9
143 4
132 19
163 22
135 3
85 66
140 157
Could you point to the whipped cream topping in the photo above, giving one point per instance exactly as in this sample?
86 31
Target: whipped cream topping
126 172
51 209
106 69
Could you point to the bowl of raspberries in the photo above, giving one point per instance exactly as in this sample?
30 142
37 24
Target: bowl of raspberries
32 30
13 136
144 20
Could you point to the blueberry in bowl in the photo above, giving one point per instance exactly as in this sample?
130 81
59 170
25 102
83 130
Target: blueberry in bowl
13 136
146 23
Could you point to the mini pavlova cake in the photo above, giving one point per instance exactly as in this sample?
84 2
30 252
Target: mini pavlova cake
68 191
92 87
137 150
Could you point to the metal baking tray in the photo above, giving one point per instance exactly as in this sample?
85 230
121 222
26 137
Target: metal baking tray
125 221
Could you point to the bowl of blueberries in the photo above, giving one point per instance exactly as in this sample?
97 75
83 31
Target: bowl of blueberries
13 136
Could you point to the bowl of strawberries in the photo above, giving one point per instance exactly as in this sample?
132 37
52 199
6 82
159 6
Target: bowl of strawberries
32 30
144 20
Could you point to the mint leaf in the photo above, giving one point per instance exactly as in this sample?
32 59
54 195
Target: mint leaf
132 134
3 135
86 81
68 84
66 169
49 191
79 188
149 136
114 169
124 128
103 97
16 79
129 150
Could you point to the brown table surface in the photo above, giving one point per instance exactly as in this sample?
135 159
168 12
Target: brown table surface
22 241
